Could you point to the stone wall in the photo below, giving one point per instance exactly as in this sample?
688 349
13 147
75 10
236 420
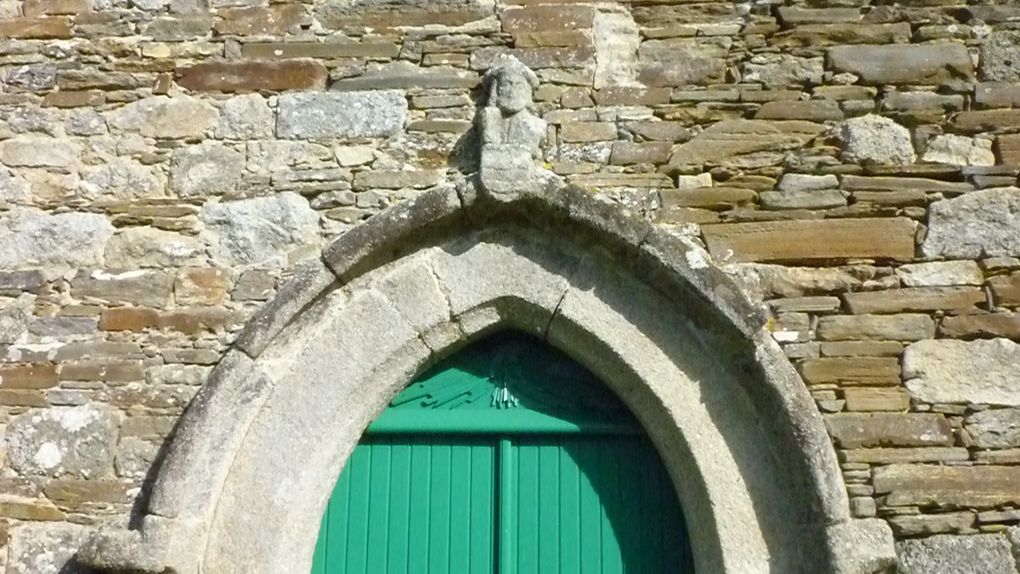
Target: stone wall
163 163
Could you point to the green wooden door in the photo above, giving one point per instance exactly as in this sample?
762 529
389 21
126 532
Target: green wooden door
509 458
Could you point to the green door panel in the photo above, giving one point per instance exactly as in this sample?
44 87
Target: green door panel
414 505
506 458
592 505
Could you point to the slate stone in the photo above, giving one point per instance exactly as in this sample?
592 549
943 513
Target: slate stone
987 325
731 138
249 76
853 430
681 62
985 486
946 64
341 114
805 240
405 75
979 224
903 327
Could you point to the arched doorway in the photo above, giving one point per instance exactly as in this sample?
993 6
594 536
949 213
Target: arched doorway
505 457
248 475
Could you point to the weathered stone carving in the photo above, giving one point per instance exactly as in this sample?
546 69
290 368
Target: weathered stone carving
511 134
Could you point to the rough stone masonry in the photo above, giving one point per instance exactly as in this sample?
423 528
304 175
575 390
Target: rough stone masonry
164 163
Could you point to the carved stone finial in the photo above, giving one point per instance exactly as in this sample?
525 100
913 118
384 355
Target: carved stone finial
511 134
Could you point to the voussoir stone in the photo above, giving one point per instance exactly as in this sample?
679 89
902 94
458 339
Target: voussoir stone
948 371
946 64
254 230
956 554
33 238
165 117
984 223
341 114
876 139
63 441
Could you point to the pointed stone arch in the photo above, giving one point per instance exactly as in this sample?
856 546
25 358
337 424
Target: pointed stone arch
254 460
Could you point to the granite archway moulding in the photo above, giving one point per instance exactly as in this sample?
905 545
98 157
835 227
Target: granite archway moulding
255 457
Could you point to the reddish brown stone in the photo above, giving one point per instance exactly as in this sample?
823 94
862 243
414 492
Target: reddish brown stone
195 320
128 319
1006 289
976 326
335 17
628 96
162 84
72 99
813 240
30 510
1007 149
35 28
275 20
28 377
716 198
948 486
852 370
74 494
540 18
253 76
852 430
987 120
201 286
274 50
914 299
109 372
22 398
876 399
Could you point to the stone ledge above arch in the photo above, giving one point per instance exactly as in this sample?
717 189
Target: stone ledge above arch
580 246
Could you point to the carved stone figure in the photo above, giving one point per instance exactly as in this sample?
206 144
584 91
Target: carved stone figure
511 134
